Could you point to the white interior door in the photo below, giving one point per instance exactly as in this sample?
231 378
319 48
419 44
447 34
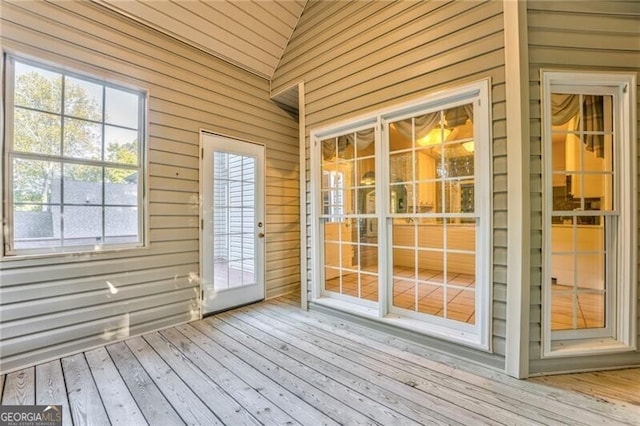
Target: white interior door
232 189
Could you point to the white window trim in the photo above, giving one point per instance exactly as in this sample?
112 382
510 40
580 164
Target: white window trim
623 334
6 130
477 336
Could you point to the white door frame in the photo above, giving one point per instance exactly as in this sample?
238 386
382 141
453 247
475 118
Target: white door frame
206 220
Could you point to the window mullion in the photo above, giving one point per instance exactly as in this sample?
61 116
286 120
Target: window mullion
581 151
62 164
574 288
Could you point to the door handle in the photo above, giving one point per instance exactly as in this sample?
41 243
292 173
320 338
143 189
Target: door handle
261 235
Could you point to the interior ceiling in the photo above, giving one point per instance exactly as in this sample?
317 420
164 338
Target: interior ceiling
249 33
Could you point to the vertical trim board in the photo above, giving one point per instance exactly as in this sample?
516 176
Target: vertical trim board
517 118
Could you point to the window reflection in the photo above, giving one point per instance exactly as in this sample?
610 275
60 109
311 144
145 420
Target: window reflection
70 167
582 189
432 179
349 229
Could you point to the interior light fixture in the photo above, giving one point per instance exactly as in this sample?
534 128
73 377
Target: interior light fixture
468 146
369 178
434 137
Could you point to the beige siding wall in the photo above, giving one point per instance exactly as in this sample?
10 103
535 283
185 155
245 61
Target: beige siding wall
595 36
54 306
249 33
358 57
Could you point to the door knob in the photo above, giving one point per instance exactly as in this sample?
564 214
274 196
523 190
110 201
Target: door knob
261 235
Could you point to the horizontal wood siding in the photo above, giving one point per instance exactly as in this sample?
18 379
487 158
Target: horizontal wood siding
359 57
59 305
602 36
249 34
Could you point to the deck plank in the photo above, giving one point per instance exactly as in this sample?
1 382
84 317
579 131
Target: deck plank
388 407
427 379
118 402
459 394
85 403
152 403
187 404
360 401
564 405
413 400
274 363
620 388
631 374
213 395
601 385
246 395
291 299
19 388
154 406
320 406
51 390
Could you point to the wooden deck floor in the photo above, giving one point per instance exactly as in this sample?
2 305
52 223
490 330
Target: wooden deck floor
271 363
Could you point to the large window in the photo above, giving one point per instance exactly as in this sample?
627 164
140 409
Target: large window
438 177
432 207
348 220
403 216
589 236
73 157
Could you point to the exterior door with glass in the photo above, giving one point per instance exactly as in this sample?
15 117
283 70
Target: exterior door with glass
232 228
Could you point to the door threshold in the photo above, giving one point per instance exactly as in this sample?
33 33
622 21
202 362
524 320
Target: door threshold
231 308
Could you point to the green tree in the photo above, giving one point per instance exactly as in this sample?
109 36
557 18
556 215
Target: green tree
124 153
38 129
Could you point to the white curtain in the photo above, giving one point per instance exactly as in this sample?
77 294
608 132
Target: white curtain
425 123
361 139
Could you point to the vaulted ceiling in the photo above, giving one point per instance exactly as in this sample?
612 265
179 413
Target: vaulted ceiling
249 33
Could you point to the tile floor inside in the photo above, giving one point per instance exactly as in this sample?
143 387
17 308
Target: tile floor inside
459 292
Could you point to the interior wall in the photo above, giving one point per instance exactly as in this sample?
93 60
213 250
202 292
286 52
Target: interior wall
51 306
359 57
601 36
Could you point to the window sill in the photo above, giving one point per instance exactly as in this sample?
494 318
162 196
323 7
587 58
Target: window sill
406 323
60 257
582 347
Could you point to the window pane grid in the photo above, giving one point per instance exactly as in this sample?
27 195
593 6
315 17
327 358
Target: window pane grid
348 215
425 182
583 209
448 272
234 220
97 177
432 166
